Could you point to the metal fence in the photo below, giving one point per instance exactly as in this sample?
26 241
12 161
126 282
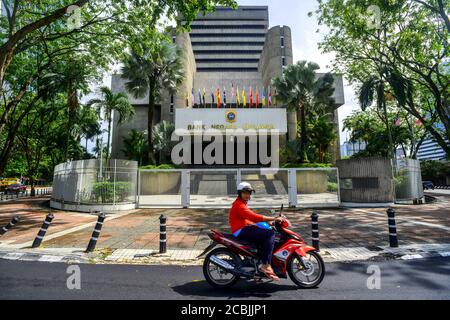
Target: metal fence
408 180
217 188
89 182
120 182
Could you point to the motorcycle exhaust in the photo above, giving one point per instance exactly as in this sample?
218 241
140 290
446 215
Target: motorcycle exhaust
230 268
219 262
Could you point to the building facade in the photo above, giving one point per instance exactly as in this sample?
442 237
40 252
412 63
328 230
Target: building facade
227 53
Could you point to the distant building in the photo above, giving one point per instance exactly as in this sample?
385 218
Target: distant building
430 150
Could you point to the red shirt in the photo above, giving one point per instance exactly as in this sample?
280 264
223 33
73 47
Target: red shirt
241 215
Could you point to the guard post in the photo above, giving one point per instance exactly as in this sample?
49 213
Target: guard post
315 230
162 234
393 240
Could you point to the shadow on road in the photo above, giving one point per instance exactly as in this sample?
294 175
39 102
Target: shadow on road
241 290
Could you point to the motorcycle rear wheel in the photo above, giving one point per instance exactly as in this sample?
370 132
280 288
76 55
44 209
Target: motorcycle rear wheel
319 266
208 267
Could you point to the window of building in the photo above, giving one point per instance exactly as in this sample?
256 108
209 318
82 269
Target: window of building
282 41
174 38
171 109
283 61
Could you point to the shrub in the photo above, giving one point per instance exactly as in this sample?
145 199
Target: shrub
104 191
161 167
307 165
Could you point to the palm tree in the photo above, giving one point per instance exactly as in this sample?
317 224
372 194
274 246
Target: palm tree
159 67
162 137
135 146
300 90
375 88
110 103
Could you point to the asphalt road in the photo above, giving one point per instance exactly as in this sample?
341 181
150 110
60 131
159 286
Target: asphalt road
414 279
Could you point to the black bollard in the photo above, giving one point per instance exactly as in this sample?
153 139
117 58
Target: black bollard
315 230
393 240
96 233
13 222
41 234
162 234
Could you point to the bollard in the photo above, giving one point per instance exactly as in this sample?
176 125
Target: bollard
13 222
162 234
393 240
315 230
96 233
37 241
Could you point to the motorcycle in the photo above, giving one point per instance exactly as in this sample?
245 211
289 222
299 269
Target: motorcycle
237 259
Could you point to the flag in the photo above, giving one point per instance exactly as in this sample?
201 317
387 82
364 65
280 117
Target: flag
244 98
224 98
397 122
418 122
251 97
212 97
199 97
270 97
275 97
186 98
193 96
257 97
218 98
232 92
238 96
264 97
204 97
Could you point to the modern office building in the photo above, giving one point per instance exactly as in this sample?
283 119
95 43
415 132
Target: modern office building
430 150
225 53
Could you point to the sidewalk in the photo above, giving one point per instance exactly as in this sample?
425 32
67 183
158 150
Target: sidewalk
345 234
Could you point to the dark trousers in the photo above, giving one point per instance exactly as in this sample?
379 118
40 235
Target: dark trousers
263 238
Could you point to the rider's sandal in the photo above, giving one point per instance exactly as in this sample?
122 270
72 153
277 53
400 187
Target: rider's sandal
270 275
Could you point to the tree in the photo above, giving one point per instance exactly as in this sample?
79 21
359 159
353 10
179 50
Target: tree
136 147
409 37
109 104
155 68
301 91
162 137
321 134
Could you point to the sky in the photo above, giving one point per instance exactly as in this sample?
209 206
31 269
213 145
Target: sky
294 13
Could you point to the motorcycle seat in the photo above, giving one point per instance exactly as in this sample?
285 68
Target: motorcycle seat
245 243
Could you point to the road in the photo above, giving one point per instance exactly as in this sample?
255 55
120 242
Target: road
413 279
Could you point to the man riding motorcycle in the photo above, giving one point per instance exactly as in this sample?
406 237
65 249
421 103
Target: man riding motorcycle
250 226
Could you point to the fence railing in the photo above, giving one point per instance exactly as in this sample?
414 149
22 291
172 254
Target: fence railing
217 187
10 195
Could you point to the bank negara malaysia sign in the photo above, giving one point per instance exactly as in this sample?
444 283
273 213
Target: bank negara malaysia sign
223 119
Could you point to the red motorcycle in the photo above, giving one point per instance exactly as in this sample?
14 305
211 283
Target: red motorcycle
224 266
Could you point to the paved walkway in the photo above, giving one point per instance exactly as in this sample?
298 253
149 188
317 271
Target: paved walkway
187 229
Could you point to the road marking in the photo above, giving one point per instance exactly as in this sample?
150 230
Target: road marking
412 256
47 258
13 256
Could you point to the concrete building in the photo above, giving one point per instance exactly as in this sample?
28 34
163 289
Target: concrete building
430 150
227 50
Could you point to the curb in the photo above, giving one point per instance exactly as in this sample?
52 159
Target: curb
188 257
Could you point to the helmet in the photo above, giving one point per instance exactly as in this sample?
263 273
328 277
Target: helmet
245 186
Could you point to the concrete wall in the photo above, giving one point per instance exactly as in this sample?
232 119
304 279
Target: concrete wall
361 169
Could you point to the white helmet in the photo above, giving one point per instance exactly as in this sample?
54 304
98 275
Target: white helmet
245 186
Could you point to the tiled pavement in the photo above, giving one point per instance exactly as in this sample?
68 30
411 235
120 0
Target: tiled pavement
364 230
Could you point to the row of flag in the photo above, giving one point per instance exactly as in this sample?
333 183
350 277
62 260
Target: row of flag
398 122
238 97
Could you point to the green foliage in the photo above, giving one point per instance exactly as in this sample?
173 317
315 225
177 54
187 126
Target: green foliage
435 170
404 55
161 167
307 165
136 146
300 91
332 187
110 192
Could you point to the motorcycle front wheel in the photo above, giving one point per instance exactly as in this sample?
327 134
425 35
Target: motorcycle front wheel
309 277
216 276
